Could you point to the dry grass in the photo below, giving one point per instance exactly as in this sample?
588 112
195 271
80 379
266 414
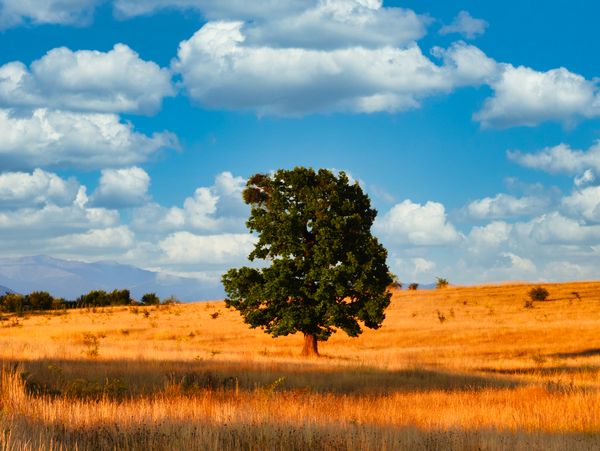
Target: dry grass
458 368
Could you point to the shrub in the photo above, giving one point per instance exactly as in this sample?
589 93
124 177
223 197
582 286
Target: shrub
12 303
441 283
150 299
538 294
39 300
413 286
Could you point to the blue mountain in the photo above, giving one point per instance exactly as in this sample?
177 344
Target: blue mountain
70 279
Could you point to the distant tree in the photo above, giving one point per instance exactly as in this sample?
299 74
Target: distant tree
326 271
538 294
413 286
150 299
395 284
441 283
119 297
171 300
12 303
95 298
39 300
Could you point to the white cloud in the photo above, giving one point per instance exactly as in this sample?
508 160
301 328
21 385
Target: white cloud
334 24
220 71
561 158
586 178
120 188
211 9
519 266
53 220
111 238
554 228
212 208
490 236
72 12
187 248
59 138
420 225
523 96
115 81
466 25
506 206
21 189
584 203
312 24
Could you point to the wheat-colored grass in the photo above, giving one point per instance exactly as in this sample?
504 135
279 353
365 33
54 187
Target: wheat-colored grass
458 368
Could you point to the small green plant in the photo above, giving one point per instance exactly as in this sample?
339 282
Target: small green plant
441 283
538 293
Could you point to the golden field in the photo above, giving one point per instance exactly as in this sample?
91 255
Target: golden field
462 368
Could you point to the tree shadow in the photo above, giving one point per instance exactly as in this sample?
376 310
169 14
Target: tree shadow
573 355
132 378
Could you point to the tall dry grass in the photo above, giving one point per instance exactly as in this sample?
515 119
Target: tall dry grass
459 368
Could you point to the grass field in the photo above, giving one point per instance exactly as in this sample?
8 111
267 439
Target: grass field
463 368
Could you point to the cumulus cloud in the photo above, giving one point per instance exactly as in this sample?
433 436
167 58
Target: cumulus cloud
66 12
188 248
88 80
490 236
314 24
586 178
410 223
554 228
22 189
216 207
526 97
466 25
560 159
53 220
107 239
220 71
584 203
222 9
121 188
506 206
48 138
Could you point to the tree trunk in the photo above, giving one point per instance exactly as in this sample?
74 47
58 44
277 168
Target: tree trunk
310 348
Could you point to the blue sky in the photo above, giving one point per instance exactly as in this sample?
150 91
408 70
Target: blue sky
129 128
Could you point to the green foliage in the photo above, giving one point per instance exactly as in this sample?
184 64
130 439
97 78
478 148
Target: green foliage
538 293
326 271
12 303
100 298
39 300
150 299
441 283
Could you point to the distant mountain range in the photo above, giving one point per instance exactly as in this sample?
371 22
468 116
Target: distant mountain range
69 279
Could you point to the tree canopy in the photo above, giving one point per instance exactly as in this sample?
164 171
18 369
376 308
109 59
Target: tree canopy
322 269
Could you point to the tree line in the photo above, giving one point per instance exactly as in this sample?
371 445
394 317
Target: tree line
42 300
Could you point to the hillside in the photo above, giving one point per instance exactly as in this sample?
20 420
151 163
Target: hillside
471 360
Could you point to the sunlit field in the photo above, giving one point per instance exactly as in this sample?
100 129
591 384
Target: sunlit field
457 368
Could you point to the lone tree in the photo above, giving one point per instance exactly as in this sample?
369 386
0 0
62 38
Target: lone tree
326 271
